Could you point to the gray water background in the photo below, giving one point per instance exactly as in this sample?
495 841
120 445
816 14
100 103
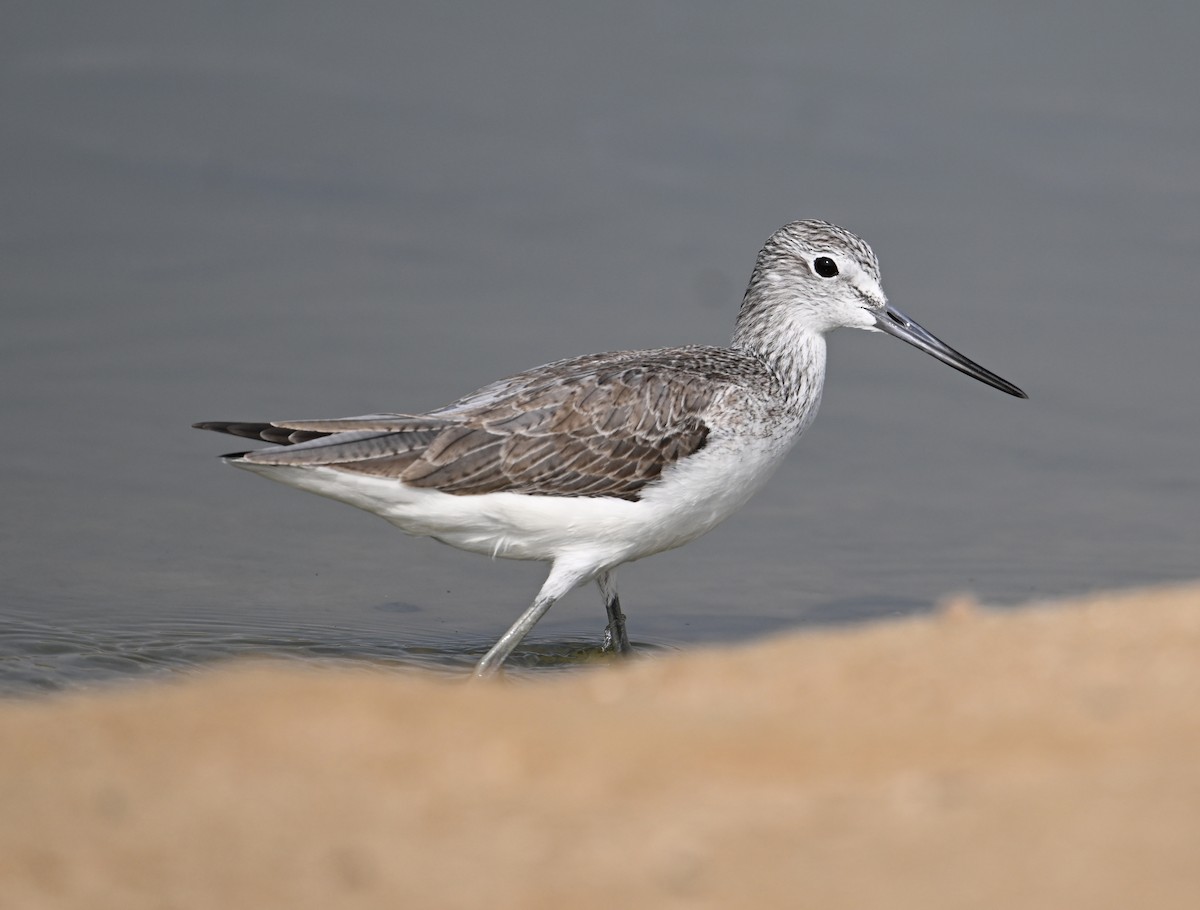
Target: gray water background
214 210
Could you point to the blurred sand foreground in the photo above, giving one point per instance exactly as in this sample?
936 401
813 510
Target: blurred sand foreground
1023 759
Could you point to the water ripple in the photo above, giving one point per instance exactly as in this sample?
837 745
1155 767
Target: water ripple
40 657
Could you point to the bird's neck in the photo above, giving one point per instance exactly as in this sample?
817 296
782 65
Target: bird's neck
774 332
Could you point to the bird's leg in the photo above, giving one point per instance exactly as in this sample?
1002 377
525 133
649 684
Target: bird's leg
560 580
615 638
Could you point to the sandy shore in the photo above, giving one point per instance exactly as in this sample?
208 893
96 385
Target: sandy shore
1021 759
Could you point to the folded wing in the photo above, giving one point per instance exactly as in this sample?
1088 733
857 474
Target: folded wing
595 431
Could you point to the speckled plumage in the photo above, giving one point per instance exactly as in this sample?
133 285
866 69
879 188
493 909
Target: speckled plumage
601 425
594 461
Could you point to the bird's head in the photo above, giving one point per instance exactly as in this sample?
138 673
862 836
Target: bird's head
812 277
827 277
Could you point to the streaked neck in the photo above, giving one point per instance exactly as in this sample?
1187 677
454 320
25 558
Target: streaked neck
772 330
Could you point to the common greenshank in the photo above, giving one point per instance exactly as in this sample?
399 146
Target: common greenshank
596 461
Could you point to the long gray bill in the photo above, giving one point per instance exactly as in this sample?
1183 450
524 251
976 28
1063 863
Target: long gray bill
892 321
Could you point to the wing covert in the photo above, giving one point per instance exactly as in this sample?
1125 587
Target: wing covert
599 434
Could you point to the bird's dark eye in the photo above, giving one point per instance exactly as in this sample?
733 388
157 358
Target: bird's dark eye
825 267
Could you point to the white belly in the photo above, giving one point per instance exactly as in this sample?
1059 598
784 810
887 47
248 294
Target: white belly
692 497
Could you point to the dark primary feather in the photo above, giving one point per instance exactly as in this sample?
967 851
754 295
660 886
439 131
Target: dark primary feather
265 432
602 425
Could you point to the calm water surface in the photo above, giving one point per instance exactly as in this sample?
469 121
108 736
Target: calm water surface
213 213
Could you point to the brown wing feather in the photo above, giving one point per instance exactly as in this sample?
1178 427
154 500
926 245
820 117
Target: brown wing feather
601 425
600 434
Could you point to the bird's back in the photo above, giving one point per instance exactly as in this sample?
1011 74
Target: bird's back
599 425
